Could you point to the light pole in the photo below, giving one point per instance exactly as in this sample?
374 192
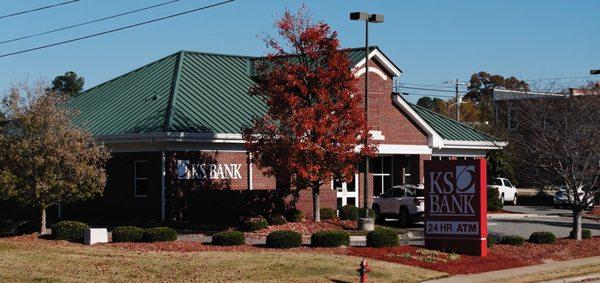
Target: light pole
595 72
365 223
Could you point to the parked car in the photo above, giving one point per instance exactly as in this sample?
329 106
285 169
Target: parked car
404 202
563 199
506 191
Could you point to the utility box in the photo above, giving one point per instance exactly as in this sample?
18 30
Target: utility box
95 236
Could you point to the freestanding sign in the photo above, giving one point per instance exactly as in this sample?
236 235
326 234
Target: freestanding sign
456 206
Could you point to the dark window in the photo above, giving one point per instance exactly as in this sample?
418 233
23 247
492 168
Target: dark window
496 182
351 186
377 189
339 203
513 122
351 201
141 178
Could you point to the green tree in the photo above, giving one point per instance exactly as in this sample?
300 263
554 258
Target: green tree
498 165
69 83
426 102
44 158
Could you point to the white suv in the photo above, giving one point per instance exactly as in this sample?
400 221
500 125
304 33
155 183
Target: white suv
405 202
506 191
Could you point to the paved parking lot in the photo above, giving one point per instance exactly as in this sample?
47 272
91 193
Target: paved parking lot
514 224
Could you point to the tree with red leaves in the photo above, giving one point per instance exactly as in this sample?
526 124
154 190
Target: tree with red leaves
315 121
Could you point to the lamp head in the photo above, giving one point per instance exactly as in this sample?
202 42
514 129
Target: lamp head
358 16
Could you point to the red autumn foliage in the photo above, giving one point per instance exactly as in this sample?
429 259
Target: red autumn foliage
315 120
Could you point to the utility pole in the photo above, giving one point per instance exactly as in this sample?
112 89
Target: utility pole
457 83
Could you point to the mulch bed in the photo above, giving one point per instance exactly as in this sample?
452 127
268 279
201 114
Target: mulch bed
307 227
501 256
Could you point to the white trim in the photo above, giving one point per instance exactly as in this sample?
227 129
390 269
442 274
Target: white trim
434 140
172 137
361 71
403 149
389 66
377 135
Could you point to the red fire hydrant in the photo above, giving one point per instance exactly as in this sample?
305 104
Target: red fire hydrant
363 269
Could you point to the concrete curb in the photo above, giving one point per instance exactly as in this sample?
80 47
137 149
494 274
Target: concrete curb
520 271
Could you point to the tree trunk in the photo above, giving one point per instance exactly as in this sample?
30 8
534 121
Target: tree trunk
42 220
316 202
576 224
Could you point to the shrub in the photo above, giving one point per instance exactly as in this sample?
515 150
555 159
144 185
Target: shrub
8 227
585 234
160 234
513 240
494 238
295 215
253 224
69 230
228 238
277 219
284 239
382 237
493 200
327 213
330 238
128 234
27 227
349 212
542 238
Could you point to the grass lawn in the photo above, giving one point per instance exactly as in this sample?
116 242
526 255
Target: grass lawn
559 273
32 259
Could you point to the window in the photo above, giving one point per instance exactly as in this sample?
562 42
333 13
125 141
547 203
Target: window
382 177
512 119
140 169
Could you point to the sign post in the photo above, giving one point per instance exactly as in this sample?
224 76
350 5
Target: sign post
456 206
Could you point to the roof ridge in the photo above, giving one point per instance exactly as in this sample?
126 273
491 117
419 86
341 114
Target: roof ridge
125 74
172 96
451 120
219 54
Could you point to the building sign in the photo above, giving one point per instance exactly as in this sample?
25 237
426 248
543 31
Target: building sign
456 206
195 170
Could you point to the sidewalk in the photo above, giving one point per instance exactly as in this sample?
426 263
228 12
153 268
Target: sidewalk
515 273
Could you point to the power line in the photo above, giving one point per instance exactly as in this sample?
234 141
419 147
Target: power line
114 30
38 9
88 22
563 78
429 85
429 95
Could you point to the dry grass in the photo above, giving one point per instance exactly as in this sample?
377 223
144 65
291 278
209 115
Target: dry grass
30 259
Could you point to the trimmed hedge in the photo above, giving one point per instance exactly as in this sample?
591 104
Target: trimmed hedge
513 240
253 224
228 238
69 230
294 215
330 238
493 200
284 239
349 212
276 219
327 213
160 234
382 237
585 234
542 238
128 234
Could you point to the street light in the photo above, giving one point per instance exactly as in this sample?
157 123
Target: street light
595 72
368 18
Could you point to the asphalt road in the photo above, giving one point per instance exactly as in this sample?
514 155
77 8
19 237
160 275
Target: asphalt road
515 224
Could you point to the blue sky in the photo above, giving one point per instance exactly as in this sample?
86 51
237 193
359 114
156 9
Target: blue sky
431 41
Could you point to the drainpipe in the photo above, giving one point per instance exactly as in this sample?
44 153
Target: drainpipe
162 186
249 163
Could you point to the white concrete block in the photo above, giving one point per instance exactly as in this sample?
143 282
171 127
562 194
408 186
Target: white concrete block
95 235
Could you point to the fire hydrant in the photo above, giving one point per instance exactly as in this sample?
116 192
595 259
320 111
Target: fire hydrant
363 269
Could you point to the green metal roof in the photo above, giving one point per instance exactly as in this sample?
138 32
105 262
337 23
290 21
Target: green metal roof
183 92
449 129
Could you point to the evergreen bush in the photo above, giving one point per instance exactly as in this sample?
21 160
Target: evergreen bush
69 230
513 240
382 237
228 238
327 213
284 239
160 234
542 238
254 224
276 219
128 234
349 212
330 238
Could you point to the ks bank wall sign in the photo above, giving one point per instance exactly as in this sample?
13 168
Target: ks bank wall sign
456 206
196 170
